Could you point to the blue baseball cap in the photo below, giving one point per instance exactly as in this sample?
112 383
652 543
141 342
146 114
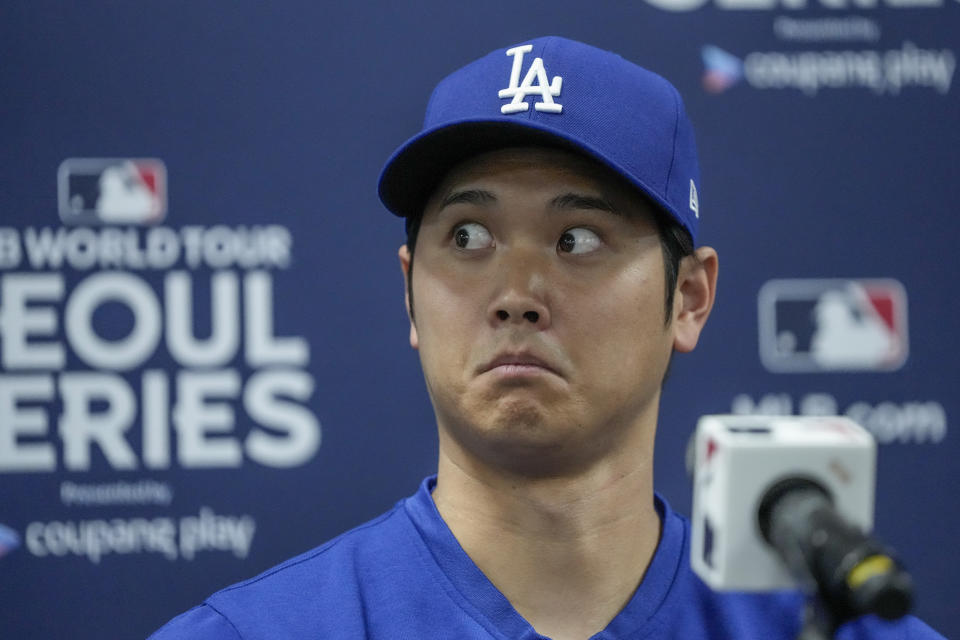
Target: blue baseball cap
555 92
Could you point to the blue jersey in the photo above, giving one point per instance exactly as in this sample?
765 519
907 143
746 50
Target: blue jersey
403 576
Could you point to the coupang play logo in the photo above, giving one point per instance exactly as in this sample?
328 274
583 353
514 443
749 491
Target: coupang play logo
810 72
722 70
828 45
130 345
9 540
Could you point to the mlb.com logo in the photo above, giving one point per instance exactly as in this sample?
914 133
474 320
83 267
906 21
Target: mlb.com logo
112 191
832 325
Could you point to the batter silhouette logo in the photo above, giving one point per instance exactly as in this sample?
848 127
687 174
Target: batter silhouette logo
518 91
832 325
112 191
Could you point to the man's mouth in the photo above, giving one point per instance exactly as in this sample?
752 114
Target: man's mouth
518 363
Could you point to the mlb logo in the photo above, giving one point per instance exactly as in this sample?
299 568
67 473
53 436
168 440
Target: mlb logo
112 191
9 540
832 325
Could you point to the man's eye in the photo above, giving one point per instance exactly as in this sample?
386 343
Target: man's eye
472 235
578 240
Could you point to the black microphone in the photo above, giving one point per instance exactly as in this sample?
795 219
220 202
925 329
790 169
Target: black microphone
782 502
853 573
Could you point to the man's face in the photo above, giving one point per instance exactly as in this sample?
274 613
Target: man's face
539 295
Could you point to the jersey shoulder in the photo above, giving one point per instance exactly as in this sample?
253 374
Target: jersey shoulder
307 592
202 622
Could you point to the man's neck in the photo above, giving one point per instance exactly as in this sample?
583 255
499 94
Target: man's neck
567 552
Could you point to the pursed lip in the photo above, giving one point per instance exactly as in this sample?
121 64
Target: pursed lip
520 360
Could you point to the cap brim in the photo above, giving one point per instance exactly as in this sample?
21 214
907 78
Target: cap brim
413 172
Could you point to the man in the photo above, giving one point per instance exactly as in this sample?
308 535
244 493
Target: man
551 206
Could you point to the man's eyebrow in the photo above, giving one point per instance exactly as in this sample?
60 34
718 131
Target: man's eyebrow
582 201
467 196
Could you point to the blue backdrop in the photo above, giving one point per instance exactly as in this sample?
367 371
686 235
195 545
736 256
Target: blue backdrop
203 345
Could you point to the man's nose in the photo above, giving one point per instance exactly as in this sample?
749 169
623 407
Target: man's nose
521 293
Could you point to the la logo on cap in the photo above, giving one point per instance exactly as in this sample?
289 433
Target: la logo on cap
519 90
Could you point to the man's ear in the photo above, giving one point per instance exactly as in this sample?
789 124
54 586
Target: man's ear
696 288
404 255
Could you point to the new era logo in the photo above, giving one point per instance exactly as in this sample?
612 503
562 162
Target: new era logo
832 325
111 191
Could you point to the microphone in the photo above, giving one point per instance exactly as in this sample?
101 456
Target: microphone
782 502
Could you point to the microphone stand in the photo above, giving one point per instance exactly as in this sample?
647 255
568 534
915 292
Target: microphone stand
817 622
